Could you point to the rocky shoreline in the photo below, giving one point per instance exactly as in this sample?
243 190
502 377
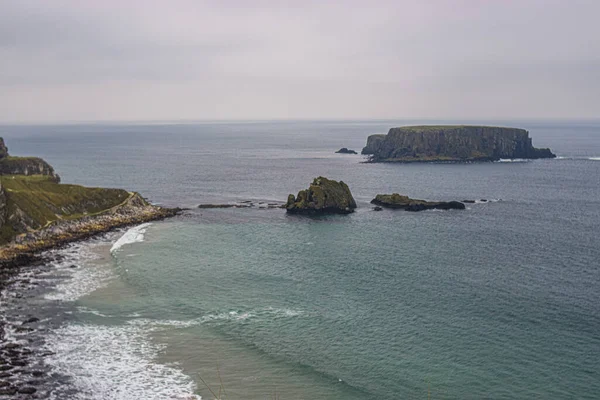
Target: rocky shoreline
135 210
23 373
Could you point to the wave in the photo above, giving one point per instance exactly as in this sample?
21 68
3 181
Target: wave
74 277
119 364
513 160
133 235
219 317
592 158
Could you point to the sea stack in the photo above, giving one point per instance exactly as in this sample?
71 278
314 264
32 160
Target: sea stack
458 143
324 196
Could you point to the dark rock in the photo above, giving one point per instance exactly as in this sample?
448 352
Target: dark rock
469 201
27 390
377 208
37 374
31 320
345 150
18 363
452 143
397 201
3 149
9 391
73 266
483 200
22 329
324 196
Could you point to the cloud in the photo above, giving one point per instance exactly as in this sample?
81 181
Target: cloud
137 60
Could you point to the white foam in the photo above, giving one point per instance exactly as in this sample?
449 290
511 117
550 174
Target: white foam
227 316
133 235
594 158
85 279
115 363
513 160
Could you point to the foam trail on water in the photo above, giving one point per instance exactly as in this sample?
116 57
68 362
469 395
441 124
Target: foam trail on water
133 235
115 363
594 158
513 160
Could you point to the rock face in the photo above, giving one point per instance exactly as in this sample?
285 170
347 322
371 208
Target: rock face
27 166
345 150
324 196
452 143
3 149
24 165
398 201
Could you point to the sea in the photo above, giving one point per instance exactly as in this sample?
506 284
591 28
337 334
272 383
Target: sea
498 301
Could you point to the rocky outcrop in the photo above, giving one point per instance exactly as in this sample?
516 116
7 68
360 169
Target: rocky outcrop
452 143
134 210
3 149
345 150
24 165
398 201
27 166
373 143
324 196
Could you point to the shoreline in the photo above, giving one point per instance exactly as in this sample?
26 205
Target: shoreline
23 371
25 249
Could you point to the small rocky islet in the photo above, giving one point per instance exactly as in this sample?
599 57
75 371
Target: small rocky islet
397 201
323 196
345 150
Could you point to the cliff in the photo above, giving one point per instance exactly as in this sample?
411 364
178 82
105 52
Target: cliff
324 196
452 143
37 212
24 165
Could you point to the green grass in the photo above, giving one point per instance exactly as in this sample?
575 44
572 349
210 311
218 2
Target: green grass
436 128
38 201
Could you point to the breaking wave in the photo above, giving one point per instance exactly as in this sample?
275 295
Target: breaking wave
133 235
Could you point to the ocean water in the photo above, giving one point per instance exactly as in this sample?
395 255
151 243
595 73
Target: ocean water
498 301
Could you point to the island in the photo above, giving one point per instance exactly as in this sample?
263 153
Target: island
37 212
345 150
324 196
454 143
397 201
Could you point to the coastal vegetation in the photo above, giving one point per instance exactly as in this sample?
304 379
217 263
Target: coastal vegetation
37 212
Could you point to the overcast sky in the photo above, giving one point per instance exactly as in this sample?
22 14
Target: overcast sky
88 60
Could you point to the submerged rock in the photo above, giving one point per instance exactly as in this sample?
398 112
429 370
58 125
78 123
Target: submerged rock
324 196
398 201
345 150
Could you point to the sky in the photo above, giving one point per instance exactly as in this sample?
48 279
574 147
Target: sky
147 60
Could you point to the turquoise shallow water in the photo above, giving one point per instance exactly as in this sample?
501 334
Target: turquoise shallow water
497 301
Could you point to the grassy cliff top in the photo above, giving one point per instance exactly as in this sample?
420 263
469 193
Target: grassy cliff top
432 128
35 201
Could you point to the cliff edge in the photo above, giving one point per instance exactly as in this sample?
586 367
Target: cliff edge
37 212
10 165
452 143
